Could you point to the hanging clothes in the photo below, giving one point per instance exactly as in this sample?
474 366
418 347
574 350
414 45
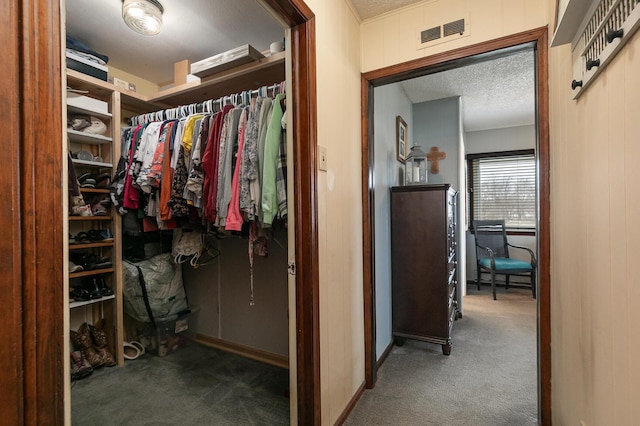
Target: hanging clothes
272 147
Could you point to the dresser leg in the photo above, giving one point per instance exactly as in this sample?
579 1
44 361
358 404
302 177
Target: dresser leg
446 349
399 341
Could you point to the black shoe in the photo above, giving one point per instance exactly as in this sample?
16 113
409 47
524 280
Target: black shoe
104 288
92 286
79 293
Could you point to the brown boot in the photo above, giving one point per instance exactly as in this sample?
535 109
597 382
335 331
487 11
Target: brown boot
101 345
82 342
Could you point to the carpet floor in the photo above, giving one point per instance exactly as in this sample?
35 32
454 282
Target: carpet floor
490 378
192 385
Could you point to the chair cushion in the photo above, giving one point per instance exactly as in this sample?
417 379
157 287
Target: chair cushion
506 264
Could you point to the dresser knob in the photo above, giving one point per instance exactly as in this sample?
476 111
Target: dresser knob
592 63
575 84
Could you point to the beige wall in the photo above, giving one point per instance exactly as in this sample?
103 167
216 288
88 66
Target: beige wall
339 206
393 37
595 204
595 213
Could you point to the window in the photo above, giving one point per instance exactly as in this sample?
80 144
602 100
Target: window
502 185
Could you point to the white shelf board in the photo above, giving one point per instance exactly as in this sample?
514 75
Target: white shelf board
84 111
92 163
90 302
570 21
88 138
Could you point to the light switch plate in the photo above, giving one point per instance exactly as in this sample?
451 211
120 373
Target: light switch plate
322 158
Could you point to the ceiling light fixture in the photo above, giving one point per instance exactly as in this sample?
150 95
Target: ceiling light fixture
143 16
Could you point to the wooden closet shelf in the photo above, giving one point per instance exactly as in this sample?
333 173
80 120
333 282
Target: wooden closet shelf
90 245
89 218
94 190
266 71
87 138
102 90
89 273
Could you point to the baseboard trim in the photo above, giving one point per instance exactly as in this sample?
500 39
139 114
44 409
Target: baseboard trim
245 351
384 355
352 404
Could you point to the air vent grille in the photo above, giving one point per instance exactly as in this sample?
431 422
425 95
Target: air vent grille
430 34
455 27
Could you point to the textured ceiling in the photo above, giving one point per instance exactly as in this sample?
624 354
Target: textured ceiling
370 8
495 94
203 29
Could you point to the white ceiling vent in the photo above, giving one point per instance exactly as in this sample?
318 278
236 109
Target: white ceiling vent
445 32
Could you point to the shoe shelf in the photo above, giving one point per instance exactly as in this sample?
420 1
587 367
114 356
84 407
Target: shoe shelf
85 111
107 151
94 191
79 303
87 138
92 272
89 218
90 245
92 164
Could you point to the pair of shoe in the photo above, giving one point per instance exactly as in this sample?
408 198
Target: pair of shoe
84 210
89 261
133 350
91 340
89 180
91 288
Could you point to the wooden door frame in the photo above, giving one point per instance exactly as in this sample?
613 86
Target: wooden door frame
32 273
428 65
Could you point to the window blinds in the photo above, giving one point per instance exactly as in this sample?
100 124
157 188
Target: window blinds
504 187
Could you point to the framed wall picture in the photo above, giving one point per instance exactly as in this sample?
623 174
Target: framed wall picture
402 139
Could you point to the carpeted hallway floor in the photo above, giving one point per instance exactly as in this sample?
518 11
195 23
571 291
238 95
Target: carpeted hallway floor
489 378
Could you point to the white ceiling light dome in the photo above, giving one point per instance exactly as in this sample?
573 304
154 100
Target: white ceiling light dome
143 16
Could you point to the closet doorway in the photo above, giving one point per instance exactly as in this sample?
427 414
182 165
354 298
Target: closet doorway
35 314
441 62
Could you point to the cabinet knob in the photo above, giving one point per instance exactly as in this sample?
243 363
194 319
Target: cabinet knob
575 84
614 34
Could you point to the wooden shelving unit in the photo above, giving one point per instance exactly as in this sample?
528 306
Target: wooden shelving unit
266 71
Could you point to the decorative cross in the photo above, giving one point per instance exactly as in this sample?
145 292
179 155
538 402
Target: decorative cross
434 156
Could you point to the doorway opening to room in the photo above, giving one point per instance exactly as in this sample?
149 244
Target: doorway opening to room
378 281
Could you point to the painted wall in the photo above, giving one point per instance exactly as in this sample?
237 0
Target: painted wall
505 139
339 205
393 38
595 226
389 102
439 123
222 292
436 123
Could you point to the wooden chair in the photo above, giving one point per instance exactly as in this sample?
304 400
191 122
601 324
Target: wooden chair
492 254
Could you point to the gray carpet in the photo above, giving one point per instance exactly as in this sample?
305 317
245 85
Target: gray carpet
192 385
489 378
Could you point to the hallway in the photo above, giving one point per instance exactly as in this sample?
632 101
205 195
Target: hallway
489 378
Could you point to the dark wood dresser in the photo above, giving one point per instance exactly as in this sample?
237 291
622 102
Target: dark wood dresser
424 262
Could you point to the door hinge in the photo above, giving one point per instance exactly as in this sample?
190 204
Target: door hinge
292 268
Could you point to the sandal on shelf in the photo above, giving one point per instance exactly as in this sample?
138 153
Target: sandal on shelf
133 350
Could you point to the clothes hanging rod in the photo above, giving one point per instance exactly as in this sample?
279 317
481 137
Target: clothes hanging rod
206 107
